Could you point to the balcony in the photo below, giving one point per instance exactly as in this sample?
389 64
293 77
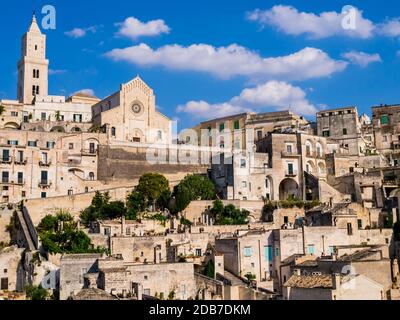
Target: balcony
89 152
44 184
21 162
291 174
5 160
286 154
20 182
44 163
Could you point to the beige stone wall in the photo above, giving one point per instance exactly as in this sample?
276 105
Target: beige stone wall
72 272
39 208
165 278
10 258
194 212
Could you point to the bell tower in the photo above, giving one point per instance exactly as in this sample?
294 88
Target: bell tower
33 66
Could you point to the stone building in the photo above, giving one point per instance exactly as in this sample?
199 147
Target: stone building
342 125
385 121
34 165
130 114
332 287
242 131
11 269
250 254
124 279
293 157
243 176
344 274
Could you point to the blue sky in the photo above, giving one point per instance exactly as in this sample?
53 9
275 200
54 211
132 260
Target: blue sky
212 58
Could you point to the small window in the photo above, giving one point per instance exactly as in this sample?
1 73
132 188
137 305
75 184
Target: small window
384 120
242 163
221 127
237 125
50 144
32 144
349 229
360 224
248 252
326 133
345 132
71 146
311 249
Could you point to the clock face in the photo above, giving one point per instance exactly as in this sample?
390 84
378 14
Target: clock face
136 108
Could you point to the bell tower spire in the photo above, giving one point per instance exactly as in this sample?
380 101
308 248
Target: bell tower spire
33 65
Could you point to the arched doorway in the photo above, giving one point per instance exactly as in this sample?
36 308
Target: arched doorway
269 188
310 168
288 188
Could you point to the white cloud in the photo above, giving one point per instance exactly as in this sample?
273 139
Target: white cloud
390 28
327 24
80 32
133 28
234 60
55 72
85 91
361 58
270 96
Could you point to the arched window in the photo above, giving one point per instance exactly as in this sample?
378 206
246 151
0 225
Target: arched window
159 135
319 150
91 176
309 149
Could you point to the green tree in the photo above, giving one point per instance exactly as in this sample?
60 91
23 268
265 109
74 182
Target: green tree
135 204
113 210
2 109
210 270
60 234
193 187
36 293
152 186
228 215
95 211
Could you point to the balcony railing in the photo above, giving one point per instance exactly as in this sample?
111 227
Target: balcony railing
291 173
44 184
21 162
89 152
6 160
286 154
44 163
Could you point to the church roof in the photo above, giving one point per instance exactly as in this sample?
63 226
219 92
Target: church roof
34 27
